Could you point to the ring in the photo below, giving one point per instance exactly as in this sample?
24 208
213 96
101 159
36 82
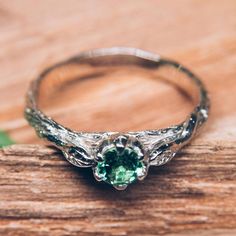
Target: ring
117 158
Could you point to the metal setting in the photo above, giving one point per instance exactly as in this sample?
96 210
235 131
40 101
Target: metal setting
153 147
120 144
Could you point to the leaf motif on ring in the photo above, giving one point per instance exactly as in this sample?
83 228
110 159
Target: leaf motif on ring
78 156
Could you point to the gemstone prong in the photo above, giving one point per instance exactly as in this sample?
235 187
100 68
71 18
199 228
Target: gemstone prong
120 187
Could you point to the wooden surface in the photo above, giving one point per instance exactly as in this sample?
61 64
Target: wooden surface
41 194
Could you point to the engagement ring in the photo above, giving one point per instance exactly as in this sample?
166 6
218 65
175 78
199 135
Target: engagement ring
117 158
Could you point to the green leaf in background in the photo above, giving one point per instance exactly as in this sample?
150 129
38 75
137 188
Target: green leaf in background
5 140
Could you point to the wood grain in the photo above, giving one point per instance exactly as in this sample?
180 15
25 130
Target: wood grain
41 194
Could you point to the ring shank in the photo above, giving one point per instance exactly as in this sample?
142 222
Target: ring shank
96 62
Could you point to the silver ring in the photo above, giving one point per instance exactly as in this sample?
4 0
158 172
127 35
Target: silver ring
118 158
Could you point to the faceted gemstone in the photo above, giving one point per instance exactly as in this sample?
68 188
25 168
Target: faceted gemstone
120 167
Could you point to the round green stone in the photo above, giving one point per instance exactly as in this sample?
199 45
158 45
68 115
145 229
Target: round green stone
120 168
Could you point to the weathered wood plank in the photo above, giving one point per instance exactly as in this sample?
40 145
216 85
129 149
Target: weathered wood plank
42 194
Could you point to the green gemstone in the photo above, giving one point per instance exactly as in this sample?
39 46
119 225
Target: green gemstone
120 168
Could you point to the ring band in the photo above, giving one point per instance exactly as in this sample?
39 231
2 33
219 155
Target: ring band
118 158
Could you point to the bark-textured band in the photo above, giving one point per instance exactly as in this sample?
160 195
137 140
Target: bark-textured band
118 158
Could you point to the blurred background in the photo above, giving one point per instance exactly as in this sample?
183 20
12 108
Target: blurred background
201 34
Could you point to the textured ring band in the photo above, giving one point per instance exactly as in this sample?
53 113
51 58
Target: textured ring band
117 158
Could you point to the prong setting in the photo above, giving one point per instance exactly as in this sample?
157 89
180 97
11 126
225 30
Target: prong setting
121 160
